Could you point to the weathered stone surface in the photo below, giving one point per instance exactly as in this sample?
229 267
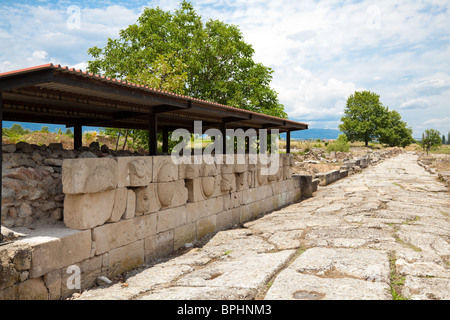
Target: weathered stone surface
120 204
124 232
292 285
89 175
135 171
164 169
86 211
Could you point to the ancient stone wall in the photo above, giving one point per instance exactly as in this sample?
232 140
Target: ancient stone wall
32 181
122 212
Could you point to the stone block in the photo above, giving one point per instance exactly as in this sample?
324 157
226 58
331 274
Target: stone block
159 245
173 194
328 177
188 171
232 200
164 169
184 234
89 175
52 281
31 289
75 247
86 211
134 171
90 269
124 232
227 219
147 200
125 258
131 205
51 253
343 174
206 226
201 188
120 204
202 209
170 218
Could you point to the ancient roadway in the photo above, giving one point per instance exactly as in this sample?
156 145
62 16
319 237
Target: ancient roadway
380 234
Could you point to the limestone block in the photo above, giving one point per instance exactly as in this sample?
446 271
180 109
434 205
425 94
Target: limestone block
228 182
188 171
287 173
205 226
184 234
131 205
257 194
328 177
227 219
125 258
232 200
90 269
242 181
51 253
120 204
86 211
159 245
164 169
208 170
201 188
52 281
202 209
89 175
172 194
75 247
170 218
124 232
32 289
147 200
135 171
343 174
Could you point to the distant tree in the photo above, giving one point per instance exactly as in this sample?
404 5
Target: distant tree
432 139
394 131
448 139
363 116
365 119
443 139
45 129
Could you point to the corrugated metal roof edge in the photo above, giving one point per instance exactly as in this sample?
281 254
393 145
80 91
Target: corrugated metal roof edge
138 86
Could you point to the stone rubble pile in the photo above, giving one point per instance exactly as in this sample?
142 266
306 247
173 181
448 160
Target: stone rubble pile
32 184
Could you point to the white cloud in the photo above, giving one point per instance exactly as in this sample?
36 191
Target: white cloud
321 51
415 104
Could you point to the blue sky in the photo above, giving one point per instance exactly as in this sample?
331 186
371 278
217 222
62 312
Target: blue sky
321 51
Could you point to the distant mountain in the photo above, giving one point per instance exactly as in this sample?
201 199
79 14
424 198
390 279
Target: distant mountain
328 134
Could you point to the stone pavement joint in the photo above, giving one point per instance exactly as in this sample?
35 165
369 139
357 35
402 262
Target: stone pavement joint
381 234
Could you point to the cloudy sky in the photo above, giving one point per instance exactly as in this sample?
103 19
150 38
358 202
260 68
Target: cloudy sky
321 51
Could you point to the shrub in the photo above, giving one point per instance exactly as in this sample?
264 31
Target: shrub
341 144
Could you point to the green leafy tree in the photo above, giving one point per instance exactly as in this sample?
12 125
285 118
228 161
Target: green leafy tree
394 131
206 60
363 117
432 139
443 139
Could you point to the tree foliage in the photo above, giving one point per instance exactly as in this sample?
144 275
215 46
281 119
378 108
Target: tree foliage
363 116
431 140
181 53
365 119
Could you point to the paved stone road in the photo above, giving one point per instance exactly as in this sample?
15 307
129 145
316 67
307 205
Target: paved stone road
380 234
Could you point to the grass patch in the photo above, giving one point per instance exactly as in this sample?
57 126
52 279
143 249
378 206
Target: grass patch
396 281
